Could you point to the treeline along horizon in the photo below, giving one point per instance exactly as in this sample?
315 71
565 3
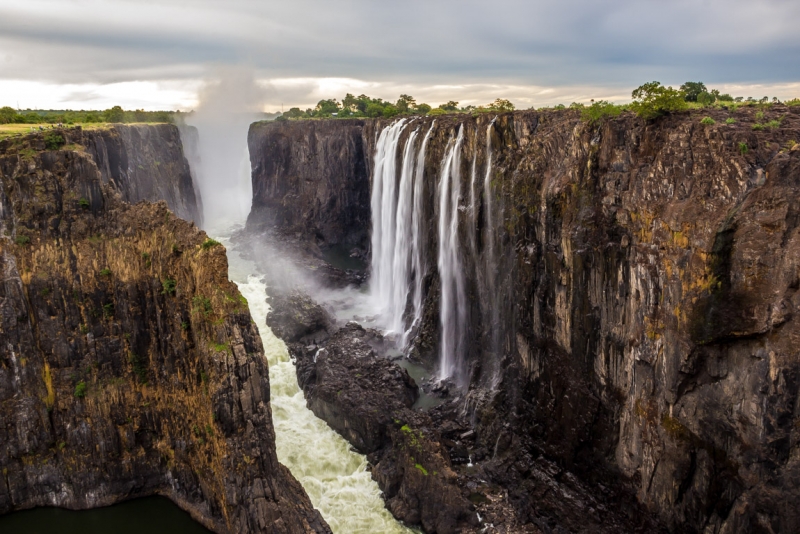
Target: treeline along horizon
9 115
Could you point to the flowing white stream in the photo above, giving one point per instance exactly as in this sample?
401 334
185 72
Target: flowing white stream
417 241
453 303
335 478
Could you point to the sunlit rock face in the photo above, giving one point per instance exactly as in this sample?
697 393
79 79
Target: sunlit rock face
630 292
129 363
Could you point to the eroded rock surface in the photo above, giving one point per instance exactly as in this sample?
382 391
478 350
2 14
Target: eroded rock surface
129 363
631 306
310 179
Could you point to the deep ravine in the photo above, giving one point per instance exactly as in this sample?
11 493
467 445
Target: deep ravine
335 477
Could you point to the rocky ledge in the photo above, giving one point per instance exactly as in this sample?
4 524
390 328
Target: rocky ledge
432 467
129 363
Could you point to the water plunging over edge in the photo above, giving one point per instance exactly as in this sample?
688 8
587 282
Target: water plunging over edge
452 313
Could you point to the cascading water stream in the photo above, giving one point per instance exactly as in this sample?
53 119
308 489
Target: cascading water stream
417 242
402 254
384 223
452 313
398 240
490 267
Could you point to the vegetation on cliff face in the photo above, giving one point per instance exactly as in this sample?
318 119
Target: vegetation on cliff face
110 382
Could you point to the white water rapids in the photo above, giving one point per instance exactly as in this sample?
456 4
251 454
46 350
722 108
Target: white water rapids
335 478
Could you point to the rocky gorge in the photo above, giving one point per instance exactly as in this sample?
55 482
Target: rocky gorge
129 363
625 296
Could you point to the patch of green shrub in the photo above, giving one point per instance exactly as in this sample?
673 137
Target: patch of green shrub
105 272
743 148
84 203
22 240
600 110
169 285
80 390
53 141
208 243
652 100
202 304
730 120
139 365
707 120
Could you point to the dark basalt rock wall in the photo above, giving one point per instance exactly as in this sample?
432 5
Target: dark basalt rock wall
636 320
145 162
310 179
129 363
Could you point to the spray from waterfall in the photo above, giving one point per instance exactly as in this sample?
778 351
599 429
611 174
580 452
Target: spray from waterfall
453 305
229 103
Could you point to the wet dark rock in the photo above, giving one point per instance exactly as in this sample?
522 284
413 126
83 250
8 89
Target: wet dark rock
310 179
296 318
366 398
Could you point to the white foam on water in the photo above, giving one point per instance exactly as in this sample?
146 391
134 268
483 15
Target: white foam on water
335 478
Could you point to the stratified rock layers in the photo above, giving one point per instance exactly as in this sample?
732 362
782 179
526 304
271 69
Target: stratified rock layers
635 321
129 363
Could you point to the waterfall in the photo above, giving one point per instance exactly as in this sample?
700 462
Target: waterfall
490 268
453 305
417 241
402 252
398 239
384 223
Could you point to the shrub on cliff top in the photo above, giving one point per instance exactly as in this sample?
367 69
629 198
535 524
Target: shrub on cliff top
53 141
707 120
208 243
602 109
652 100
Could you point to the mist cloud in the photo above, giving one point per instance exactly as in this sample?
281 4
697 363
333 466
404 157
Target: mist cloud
229 102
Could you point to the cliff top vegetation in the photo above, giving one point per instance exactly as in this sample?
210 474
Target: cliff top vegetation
650 100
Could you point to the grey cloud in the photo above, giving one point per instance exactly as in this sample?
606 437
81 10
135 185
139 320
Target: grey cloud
615 43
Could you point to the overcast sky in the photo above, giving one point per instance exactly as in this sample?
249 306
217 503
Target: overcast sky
158 54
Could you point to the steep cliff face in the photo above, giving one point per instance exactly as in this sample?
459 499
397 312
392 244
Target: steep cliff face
145 162
630 301
310 179
129 363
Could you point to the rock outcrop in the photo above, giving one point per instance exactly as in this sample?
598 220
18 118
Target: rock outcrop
129 363
145 162
310 179
632 302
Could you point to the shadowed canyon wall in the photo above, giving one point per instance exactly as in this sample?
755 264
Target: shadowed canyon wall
129 363
630 288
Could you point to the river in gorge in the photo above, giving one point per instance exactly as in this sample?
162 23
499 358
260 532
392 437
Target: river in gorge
336 478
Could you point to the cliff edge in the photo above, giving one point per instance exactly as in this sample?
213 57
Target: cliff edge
129 363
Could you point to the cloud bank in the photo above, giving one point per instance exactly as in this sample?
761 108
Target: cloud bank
566 47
